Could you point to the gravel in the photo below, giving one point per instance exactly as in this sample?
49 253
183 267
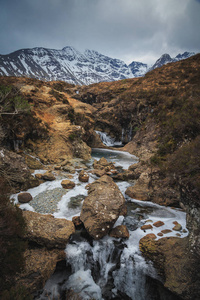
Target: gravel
46 202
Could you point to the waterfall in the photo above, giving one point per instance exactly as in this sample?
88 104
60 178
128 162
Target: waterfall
109 268
107 140
17 144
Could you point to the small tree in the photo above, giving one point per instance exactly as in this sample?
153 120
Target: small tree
11 103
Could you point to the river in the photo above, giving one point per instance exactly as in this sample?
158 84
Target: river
109 268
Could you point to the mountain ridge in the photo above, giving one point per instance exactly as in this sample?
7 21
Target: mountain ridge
73 66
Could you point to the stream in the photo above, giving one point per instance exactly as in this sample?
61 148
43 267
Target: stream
109 268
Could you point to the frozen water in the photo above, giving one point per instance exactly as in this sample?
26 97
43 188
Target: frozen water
109 266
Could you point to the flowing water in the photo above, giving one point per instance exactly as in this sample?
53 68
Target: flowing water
110 268
107 140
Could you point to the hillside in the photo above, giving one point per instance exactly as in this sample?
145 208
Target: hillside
157 117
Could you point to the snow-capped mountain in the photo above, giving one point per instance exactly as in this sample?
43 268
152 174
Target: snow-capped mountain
67 64
73 66
138 69
166 58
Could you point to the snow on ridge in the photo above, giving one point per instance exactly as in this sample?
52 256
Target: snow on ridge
73 66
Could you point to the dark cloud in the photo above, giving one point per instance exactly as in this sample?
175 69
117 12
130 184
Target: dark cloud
128 29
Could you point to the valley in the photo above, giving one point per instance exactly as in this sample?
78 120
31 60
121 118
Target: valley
52 128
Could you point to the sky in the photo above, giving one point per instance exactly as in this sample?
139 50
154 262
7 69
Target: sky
130 30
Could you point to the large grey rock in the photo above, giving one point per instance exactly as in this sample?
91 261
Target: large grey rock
104 204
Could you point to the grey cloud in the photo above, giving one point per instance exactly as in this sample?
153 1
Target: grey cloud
126 29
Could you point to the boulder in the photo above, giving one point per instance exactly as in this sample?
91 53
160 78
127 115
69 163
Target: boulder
15 170
120 231
83 176
67 184
178 267
102 207
40 264
45 230
140 190
24 197
126 175
48 176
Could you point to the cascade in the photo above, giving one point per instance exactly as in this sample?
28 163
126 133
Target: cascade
109 268
107 140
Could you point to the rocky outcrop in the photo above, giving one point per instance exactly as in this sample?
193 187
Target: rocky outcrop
15 171
175 263
40 264
45 230
141 190
152 185
102 207
47 238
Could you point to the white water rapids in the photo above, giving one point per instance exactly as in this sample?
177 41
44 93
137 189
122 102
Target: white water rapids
109 268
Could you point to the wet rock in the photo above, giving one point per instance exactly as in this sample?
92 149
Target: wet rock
151 236
83 176
76 201
178 267
39 176
81 149
102 207
131 223
48 176
177 227
77 222
45 230
158 224
33 163
126 175
15 170
120 231
140 190
98 172
160 234
175 223
69 169
67 184
57 167
24 197
146 227
103 164
165 231
40 264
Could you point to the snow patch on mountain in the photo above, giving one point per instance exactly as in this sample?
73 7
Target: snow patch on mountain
166 58
72 66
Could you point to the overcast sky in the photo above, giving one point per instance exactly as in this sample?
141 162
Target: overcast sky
140 30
